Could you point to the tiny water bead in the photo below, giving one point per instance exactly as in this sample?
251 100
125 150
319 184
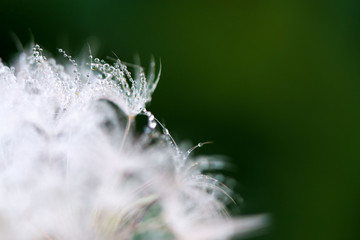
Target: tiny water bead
188 152
166 131
36 54
152 122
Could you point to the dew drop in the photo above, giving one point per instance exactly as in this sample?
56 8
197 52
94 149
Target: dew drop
60 50
96 60
36 54
151 122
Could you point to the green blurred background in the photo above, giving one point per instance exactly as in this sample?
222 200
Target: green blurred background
275 84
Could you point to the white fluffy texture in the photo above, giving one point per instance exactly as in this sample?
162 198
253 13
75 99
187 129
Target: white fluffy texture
63 174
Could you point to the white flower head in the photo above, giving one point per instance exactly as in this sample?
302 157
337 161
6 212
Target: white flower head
69 169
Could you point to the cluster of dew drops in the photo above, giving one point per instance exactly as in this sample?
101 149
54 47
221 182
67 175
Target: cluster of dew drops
110 73
114 76
73 63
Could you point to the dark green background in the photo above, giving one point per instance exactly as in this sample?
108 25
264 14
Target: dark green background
275 84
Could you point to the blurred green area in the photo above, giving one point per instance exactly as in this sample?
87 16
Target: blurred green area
275 84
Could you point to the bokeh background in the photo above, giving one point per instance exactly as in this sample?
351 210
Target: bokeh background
275 85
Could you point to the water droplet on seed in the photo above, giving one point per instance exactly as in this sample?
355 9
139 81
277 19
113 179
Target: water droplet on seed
151 122
36 54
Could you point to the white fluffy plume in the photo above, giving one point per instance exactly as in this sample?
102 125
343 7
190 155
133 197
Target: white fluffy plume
71 166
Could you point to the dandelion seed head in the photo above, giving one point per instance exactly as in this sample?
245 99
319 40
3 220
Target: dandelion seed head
65 172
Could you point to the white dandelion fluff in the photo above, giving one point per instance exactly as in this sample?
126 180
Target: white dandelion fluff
71 169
